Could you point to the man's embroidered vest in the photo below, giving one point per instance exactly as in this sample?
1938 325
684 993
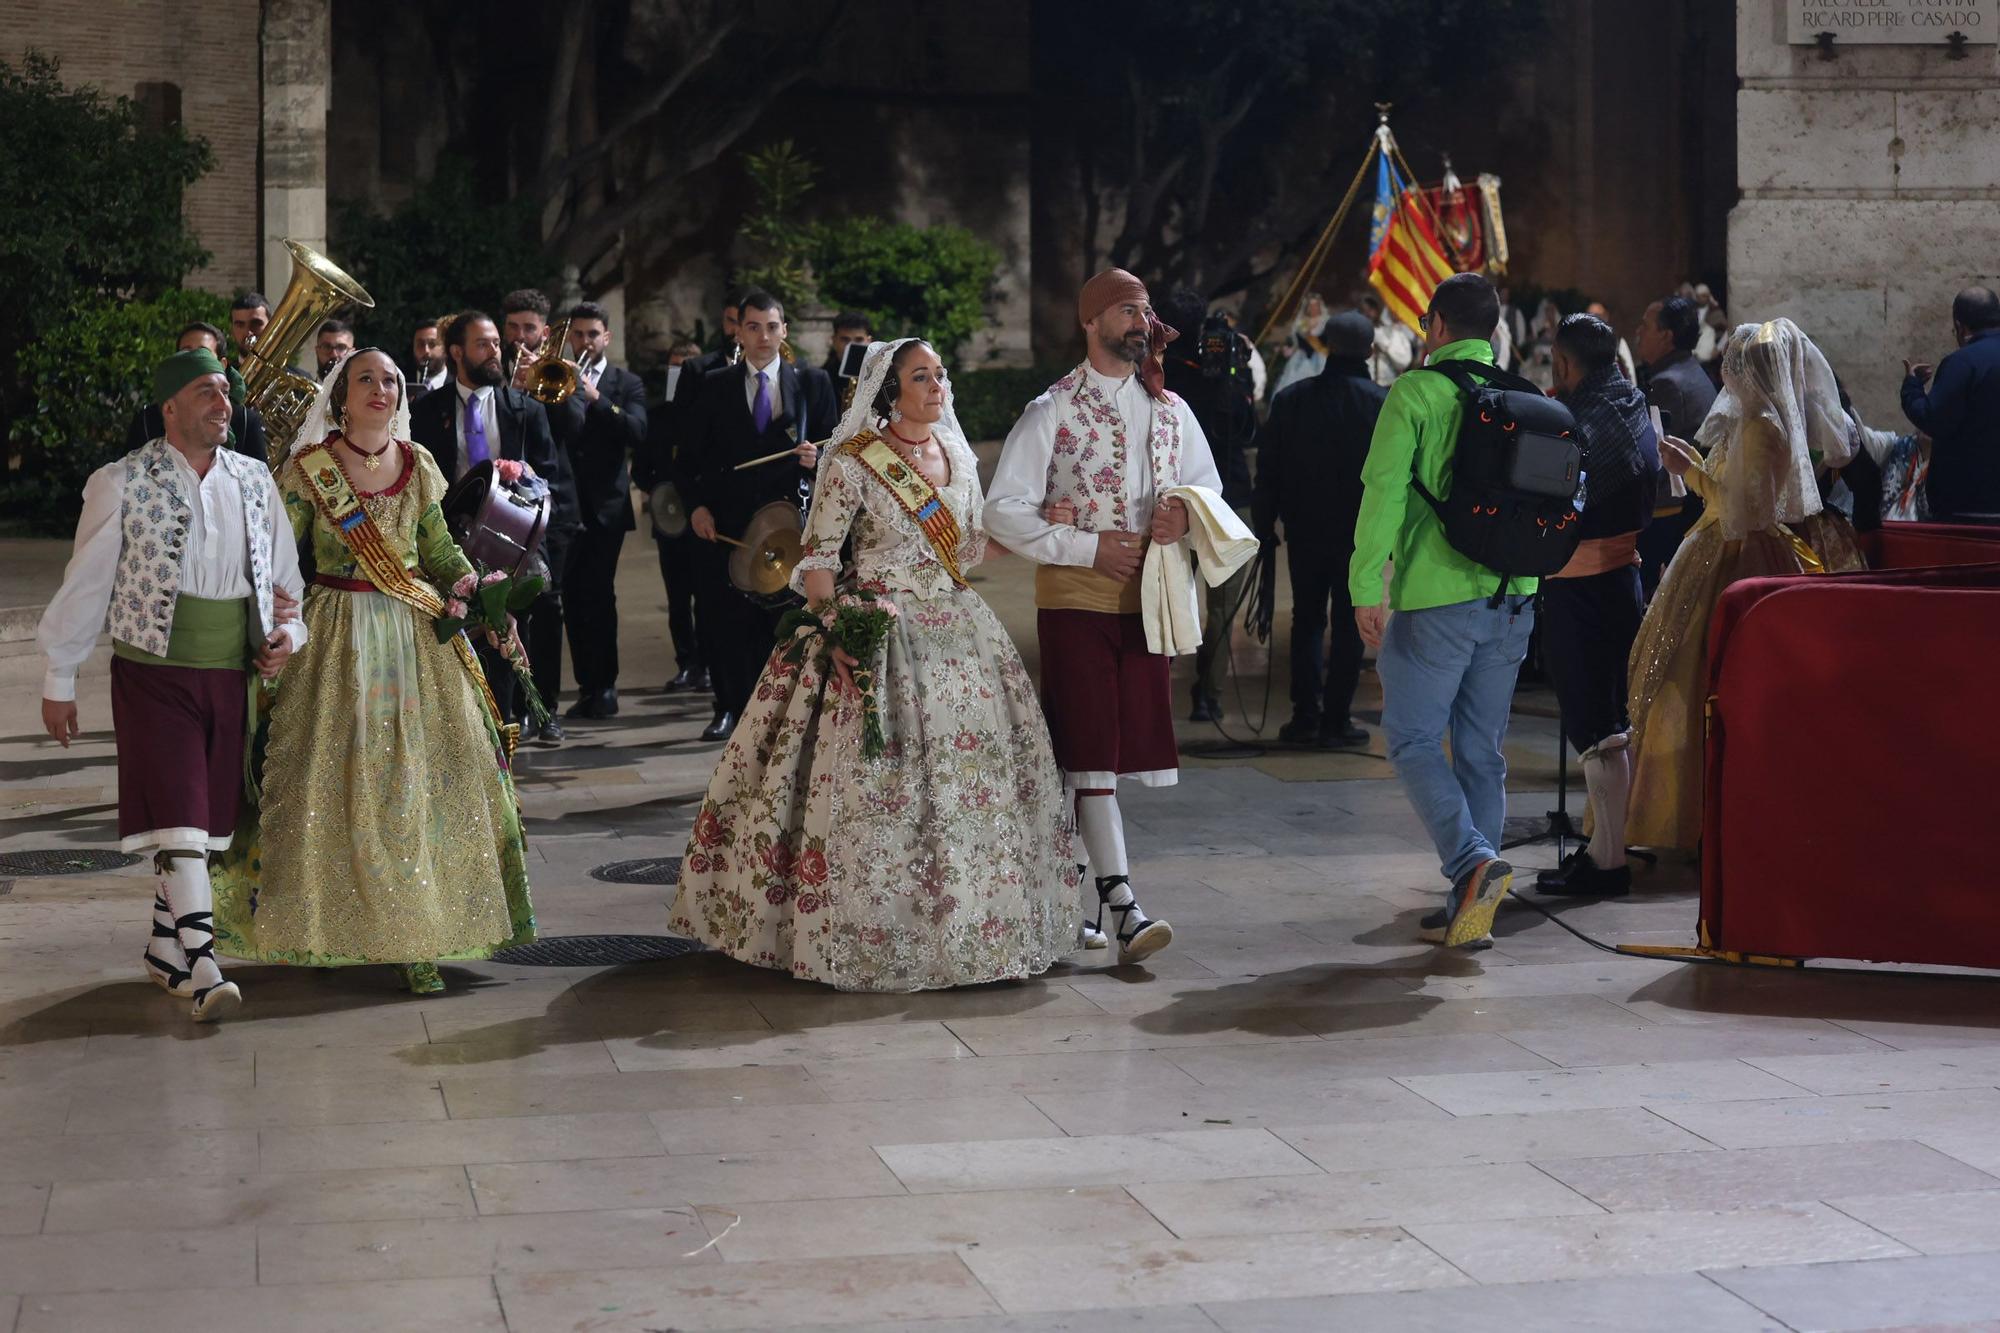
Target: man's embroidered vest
154 522
1087 468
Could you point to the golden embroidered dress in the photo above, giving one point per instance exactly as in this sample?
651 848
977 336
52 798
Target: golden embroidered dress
390 832
1756 483
945 862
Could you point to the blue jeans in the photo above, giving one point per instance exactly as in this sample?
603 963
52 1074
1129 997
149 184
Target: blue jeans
1450 670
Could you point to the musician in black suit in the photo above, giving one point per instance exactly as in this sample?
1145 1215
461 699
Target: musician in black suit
524 331
692 373
246 424
652 467
759 406
614 425
478 417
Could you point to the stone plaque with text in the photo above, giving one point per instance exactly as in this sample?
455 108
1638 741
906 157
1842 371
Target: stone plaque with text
1866 22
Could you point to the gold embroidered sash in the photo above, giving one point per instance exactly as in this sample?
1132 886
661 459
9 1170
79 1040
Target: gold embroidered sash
334 496
914 492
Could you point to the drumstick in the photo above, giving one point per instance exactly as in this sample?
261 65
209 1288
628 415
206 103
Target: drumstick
767 458
731 540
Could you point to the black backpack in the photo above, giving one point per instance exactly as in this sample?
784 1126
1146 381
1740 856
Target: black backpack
1515 474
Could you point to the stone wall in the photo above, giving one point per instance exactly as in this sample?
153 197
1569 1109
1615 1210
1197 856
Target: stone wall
208 53
1871 194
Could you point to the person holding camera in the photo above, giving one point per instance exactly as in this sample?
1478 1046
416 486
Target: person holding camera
1309 456
1212 376
1591 609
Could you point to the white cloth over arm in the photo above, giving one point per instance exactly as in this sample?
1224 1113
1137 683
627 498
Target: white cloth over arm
1167 600
1020 486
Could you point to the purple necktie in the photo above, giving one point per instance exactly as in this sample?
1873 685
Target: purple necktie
760 415
476 451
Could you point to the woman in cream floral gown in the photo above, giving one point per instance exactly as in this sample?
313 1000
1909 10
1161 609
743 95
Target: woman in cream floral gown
947 860
1778 415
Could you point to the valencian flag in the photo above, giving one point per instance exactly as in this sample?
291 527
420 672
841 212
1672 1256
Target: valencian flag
1406 260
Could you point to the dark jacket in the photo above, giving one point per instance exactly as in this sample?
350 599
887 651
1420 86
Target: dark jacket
721 434
246 430
524 435
613 427
1681 389
688 387
1621 454
1961 414
1222 407
1309 455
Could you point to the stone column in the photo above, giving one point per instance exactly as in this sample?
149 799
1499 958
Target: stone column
298 86
1870 196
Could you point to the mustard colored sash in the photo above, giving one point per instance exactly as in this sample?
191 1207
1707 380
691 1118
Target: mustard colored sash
914 492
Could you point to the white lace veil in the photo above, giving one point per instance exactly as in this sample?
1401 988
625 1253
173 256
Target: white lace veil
1776 377
861 413
320 423
1726 413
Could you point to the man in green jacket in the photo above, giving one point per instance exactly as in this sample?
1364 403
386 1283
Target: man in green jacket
1447 655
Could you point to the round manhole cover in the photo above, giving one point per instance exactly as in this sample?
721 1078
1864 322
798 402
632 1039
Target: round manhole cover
28 864
650 870
597 950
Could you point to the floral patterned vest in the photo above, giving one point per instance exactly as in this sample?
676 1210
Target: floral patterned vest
154 522
1087 468
1087 465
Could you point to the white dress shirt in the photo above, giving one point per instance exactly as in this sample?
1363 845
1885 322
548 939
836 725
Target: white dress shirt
1020 482
750 387
436 379
215 563
488 418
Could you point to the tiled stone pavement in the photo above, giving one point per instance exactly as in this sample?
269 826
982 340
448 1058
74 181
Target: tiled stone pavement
1297 1119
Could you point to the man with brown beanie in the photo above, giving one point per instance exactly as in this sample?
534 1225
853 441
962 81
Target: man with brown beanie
1077 492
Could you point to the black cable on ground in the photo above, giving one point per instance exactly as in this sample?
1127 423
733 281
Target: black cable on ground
1713 960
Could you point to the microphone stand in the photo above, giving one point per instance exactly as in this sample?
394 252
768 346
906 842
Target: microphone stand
1555 823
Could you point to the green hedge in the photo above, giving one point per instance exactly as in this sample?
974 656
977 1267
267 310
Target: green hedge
84 384
989 402
929 281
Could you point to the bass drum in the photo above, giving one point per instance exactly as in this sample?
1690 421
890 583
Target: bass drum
496 526
670 516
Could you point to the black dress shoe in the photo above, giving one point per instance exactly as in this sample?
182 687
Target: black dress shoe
550 733
1207 708
595 705
1300 731
686 680
528 730
1341 735
1580 877
719 729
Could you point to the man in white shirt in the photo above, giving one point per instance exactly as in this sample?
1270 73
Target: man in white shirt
428 368
1094 452
185 545
1395 349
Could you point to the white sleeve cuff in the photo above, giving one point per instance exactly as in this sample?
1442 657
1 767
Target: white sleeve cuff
295 630
59 686
1081 548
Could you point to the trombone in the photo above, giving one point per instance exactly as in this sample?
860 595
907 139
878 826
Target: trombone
551 378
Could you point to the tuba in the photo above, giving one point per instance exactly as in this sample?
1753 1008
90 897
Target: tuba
283 395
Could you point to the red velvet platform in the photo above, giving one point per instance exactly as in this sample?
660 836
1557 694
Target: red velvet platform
1852 790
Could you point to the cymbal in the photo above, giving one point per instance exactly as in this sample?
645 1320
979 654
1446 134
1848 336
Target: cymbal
670 517
769 552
